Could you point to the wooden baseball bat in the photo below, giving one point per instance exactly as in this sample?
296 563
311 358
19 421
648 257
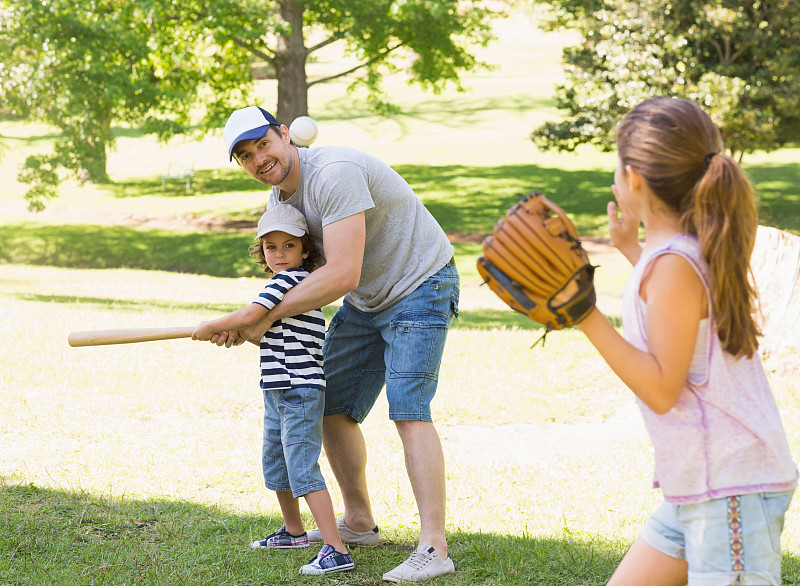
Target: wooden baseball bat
128 336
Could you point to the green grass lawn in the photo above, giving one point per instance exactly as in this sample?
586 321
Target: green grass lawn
139 464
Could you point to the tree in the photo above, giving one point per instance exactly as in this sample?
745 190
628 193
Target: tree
735 58
82 68
380 35
152 64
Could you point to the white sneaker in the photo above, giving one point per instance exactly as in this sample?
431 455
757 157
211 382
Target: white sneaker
350 537
422 565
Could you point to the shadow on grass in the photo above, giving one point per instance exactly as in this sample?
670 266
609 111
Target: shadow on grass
58 537
458 112
467 199
102 247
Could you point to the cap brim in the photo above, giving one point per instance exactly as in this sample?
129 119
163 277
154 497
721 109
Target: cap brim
248 135
293 230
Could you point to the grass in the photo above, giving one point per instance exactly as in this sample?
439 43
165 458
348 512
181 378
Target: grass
139 464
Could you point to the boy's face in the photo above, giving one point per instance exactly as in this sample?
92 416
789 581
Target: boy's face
282 251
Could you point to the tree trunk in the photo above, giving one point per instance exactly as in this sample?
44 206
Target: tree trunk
290 65
91 143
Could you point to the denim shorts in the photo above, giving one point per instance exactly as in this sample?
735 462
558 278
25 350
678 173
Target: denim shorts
400 347
293 440
732 540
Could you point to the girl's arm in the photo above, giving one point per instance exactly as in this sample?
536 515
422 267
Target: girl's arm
237 320
676 302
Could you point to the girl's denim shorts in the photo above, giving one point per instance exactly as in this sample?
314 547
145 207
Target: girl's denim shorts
731 540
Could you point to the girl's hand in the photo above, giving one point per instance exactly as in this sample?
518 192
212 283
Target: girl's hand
623 228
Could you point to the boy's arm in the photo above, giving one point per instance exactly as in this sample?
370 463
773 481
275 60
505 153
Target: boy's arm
237 320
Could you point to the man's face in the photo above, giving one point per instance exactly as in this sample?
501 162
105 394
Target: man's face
267 159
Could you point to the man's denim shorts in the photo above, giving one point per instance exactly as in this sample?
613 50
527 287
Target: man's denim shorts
400 347
293 440
732 540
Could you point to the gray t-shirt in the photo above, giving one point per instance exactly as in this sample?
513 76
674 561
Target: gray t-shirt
404 243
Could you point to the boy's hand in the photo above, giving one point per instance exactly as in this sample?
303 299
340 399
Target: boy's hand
203 332
227 339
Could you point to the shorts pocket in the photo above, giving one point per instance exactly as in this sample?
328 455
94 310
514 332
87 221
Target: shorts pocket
418 339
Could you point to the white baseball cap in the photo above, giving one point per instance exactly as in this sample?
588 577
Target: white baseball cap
283 217
245 124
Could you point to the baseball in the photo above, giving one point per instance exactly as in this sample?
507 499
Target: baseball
303 131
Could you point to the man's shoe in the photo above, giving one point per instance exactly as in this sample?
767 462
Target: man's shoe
328 560
282 539
422 565
350 537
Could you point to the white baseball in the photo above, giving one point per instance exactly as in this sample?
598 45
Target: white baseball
303 131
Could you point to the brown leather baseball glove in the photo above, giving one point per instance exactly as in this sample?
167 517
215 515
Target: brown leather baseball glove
534 262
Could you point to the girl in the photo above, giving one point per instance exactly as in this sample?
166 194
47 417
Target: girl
293 385
689 354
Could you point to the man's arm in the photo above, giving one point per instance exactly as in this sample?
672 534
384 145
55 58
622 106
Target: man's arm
343 242
235 320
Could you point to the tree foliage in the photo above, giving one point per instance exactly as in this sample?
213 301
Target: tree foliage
154 64
83 67
738 59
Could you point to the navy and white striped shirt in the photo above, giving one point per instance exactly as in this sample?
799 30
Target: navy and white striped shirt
291 350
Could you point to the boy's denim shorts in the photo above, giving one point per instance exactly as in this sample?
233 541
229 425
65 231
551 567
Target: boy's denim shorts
293 440
401 347
731 540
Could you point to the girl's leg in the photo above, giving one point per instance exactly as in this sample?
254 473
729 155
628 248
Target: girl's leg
319 501
646 565
290 509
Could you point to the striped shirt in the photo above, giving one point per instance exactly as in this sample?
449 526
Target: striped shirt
291 350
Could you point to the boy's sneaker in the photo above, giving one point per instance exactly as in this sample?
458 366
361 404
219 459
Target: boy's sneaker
350 537
282 539
328 560
422 565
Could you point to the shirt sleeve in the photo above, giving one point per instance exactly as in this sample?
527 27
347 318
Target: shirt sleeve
277 286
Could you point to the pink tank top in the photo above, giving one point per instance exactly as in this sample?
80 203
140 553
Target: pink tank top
724 435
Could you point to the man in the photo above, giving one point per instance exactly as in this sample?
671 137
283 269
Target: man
393 264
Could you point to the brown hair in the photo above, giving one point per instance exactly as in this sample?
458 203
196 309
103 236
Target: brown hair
310 263
675 146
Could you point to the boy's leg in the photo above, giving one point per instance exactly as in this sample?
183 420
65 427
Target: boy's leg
321 507
290 510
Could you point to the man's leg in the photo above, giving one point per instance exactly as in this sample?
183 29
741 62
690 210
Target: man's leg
425 466
347 453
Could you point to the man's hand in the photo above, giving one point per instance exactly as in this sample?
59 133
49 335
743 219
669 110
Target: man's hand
255 332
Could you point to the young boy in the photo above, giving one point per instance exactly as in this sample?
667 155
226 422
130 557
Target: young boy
293 385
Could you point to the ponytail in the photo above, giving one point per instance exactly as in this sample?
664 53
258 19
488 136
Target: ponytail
677 148
725 220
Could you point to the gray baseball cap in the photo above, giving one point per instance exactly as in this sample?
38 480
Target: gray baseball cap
283 217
